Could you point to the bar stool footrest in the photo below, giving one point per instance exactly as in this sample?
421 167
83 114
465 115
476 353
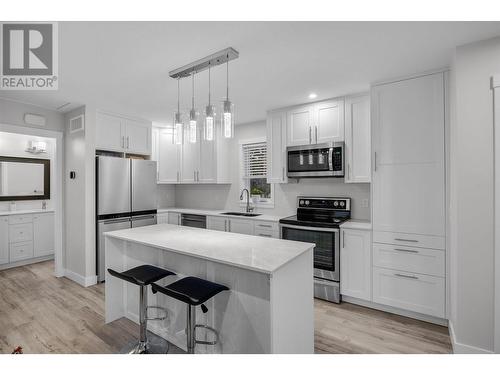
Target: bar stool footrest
211 329
162 317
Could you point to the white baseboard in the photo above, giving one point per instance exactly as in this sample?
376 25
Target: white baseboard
459 348
82 280
397 311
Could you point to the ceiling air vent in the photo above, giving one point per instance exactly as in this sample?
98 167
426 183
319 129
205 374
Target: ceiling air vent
77 124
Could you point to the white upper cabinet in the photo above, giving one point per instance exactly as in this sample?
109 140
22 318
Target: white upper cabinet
207 169
408 166
356 264
116 133
316 123
299 125
4 239
167 157
328 121
276 147
109 133
43 234
357 139
138 137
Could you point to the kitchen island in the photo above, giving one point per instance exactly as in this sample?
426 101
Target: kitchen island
269 308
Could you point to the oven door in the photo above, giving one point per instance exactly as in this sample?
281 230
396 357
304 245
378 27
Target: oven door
326 252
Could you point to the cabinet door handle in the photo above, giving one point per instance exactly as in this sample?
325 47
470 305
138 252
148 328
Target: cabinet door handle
343 239
194 175
406 276
310 136
283 173
316 133
264 235
128 142
123 141
407 251
404 240
375 161
265 225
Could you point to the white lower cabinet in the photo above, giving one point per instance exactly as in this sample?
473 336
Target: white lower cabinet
174 218
25 237
410 291
355 264
4 240
242 226
225 224
43 235
162 218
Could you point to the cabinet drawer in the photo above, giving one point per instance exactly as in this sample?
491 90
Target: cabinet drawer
405 239
20 232
266 225
411 259
266 233
21 250
20 219
409 291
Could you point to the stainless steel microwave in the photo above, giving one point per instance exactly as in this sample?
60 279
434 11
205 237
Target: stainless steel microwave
319 160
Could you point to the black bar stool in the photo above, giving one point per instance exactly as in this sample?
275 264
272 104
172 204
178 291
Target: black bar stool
193 291
143 276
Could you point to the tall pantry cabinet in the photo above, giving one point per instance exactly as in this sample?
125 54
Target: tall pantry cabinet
408 129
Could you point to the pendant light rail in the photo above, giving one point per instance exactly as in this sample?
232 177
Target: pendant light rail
200 65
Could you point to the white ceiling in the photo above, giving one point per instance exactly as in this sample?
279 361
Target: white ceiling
123 67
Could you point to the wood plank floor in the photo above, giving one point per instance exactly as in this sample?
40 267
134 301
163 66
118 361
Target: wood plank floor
45 314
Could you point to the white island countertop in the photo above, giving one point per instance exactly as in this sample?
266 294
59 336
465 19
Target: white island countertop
265 255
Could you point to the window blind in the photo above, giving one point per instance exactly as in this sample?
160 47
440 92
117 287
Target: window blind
255 160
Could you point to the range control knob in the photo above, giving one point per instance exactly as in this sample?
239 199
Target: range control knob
301 202
335 203
342 203
307 203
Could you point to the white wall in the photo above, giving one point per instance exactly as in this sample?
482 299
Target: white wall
471 219
12 144
12 112
227 196
75 199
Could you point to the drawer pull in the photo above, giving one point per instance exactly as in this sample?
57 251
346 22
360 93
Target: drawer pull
406 276
408 251
265 225
264 235
404 240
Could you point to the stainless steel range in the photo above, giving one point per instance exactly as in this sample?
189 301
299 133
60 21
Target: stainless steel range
317 221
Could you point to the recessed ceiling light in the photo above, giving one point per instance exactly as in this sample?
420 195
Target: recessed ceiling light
312 95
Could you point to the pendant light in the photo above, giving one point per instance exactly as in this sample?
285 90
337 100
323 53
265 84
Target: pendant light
209 131
193 118
227 118
178 128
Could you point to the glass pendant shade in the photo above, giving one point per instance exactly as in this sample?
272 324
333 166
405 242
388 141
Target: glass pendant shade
227 119
178 133
193 126
209 130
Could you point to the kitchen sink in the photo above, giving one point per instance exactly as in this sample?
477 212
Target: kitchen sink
241 214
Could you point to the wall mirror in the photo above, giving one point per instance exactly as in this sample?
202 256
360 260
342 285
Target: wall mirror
24 178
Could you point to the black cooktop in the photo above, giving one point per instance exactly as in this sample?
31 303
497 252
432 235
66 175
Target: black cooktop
333 222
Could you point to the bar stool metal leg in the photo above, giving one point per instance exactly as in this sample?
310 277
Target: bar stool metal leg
191 328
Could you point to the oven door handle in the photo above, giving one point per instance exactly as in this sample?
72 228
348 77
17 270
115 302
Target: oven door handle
318 229
330 158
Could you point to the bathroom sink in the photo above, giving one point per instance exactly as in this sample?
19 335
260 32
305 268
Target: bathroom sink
248 214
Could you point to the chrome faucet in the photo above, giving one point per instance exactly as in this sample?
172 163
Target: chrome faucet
248 208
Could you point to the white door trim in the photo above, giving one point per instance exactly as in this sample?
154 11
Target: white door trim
495 85
58 191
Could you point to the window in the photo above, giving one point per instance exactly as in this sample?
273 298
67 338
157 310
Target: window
254 172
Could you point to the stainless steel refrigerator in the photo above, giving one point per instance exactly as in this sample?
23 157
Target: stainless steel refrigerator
126 198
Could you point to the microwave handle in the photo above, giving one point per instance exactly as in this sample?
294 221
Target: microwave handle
330 159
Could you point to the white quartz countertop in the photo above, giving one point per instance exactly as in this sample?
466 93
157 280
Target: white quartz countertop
195 211
357 224
255 253
25 212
